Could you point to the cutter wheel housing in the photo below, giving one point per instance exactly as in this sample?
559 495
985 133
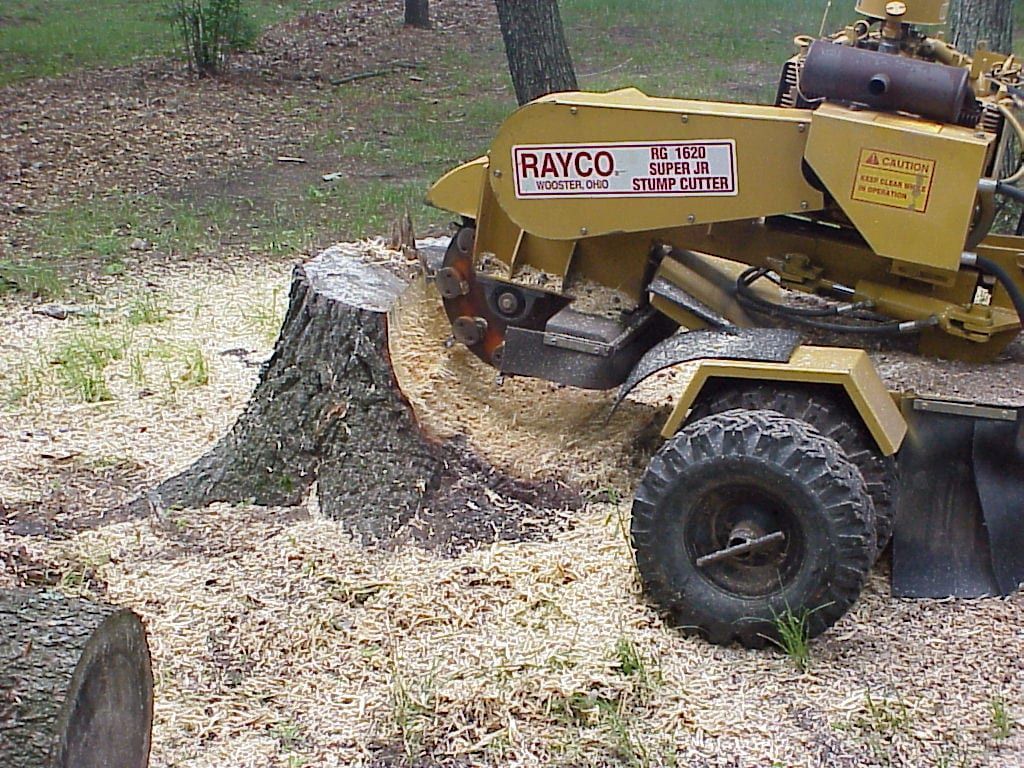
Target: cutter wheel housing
788 254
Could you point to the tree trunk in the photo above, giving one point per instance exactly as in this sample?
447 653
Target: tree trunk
76 686
538 57
417 13
328 409
974 20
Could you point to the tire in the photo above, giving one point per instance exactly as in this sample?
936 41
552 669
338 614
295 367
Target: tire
831 413
743 475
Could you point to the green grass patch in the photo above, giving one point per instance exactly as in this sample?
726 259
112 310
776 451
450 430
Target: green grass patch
196 371
81 364
1002 722
106 228
793 639
147 309
34 278
48 37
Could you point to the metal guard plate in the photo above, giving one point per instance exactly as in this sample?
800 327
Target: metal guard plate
767 345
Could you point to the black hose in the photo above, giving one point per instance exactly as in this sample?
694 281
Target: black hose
807 317
997 270
756 273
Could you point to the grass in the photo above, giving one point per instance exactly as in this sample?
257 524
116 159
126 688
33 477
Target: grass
40 38
414 708
793 637
82 361
147 309
632 664
33 278
105 228
1002 723
196 369
884 717
611 717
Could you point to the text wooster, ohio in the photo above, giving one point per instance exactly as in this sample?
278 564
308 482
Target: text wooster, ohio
628 169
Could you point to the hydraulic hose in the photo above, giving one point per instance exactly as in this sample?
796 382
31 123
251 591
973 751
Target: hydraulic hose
997 270
810 317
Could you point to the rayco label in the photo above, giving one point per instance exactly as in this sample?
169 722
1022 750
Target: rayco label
893 180
653 169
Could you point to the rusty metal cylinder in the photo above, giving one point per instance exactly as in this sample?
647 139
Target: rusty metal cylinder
886 82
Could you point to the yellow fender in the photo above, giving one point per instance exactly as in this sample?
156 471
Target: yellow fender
850 369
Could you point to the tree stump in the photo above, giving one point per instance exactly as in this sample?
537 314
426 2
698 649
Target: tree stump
328 409
76 686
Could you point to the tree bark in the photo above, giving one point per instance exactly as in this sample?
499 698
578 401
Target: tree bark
328 409
538 57
417 13
974 20
76 685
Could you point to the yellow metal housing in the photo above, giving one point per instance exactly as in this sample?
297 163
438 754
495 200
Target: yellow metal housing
907 185
918 11
460 189
767 139
850 369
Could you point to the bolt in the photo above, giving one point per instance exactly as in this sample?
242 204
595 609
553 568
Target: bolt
685 118
690 219
583 230
497 173
801 127
508 303
573 110
804 205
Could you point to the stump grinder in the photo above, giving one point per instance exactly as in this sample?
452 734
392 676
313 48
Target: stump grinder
808 260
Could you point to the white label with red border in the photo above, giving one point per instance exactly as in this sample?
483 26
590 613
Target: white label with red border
705 168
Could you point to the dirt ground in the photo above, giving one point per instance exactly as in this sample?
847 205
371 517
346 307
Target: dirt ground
277 640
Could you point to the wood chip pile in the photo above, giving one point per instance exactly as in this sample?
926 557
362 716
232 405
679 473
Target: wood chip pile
277 641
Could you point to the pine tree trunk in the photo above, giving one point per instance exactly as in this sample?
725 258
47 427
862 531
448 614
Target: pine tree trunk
974 20
538 57
76 686
417 13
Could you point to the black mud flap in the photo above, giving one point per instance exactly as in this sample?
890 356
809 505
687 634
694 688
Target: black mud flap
756 344
960 523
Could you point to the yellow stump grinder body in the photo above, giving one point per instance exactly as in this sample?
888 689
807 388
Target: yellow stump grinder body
606 236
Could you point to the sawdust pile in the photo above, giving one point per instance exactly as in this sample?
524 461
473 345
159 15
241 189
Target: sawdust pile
279 642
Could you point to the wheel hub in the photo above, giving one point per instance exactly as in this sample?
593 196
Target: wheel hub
745 541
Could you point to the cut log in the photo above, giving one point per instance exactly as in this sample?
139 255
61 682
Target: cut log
76 686
328 409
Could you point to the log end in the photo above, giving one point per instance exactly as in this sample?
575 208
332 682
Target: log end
107 716
76 683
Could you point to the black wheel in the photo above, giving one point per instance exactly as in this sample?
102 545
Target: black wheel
745 515
831 413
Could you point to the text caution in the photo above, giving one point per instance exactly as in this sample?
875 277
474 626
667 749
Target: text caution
893 180
654 169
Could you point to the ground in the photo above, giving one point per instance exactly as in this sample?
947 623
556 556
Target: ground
147 230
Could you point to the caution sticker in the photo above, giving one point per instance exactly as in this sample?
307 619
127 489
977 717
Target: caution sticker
893 180
626 169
